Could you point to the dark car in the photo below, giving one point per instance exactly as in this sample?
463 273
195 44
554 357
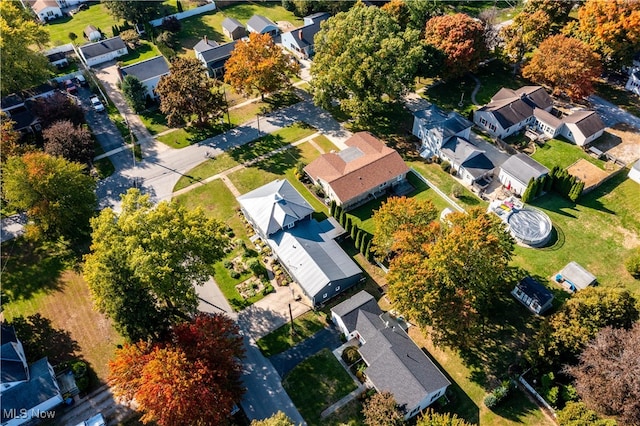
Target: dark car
70 87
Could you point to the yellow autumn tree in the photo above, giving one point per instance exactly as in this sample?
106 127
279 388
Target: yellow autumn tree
259 65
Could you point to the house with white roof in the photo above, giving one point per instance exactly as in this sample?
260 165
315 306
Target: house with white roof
306 248
394 362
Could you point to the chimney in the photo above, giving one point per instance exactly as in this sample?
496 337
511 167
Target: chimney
300 34
206 40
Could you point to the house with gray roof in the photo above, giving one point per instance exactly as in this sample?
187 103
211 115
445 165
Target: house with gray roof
301 40
262 25
306 248
233 29
511 111
394 362
518 170
214 56
447 136
533 295
25 390
102 51
149 72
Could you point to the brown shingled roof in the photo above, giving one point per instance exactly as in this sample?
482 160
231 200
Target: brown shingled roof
371 164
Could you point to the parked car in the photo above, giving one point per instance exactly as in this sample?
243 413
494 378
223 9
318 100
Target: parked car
83 6
70 87
81 80
96 104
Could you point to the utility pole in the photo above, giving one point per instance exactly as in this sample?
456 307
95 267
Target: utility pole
293 330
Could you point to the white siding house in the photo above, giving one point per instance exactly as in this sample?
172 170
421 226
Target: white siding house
634 173
516 172
103 51
46 10
148 72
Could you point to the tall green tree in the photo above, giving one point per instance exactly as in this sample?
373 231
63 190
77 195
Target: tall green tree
138 11
187 91
557 10
431 418
164 251
278 419
58 196
259 66
564 335
450 277
525 33
134 92
363 56
399 214
20 35
382 410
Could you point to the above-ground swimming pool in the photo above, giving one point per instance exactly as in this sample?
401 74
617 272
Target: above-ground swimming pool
530 226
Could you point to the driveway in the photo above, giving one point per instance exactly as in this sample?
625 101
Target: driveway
612 114
286 361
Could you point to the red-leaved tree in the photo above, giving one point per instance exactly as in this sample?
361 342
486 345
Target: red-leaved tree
192 379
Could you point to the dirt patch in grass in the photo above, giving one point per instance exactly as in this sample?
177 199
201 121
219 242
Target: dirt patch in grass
588 173
621 141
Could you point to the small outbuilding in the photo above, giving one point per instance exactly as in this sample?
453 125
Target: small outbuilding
574 277
634 173
233 29
262 25
516 172
92 33
533 295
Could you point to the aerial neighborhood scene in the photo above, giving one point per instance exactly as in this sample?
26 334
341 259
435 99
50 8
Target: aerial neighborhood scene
320 212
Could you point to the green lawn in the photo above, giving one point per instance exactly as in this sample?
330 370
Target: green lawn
97 15
316 383
620 97
563 154
154 121
324 143
104 167
207 169
185 136
145 50
249 112
271 142
598 233
444 181
280 340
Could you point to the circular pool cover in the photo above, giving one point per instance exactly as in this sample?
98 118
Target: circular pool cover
530 226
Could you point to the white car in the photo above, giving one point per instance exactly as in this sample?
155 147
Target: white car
96 104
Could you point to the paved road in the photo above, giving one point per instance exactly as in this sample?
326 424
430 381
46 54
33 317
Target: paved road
286 361
612 114
265 395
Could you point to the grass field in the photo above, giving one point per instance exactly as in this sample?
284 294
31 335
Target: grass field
598 232
97 15
146 50
316 383
37 281
280 340
445 182
207 169
185 136
563 154
324 143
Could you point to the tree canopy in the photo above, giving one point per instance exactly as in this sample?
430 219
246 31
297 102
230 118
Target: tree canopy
150 255
133 11
9 139
611 28
565 64
382 410
461 38
188 92
361 56
194 378
607 377
58 196
525 33
135 93
399 214
278 419
557 10
258 65
577 414
75 143
431 418
451 276
57 107
566 333
22 67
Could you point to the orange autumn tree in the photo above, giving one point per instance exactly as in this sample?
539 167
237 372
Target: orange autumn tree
450 277
461 38
194 378
259 65
611 28
566 65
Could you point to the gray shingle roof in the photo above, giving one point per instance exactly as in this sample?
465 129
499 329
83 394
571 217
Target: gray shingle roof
204 45
547 117
523 168
147 69
577 275
535 290
396 364
446 124
231 24
348 310
459 150
514 106
275 206
102 47
221 52
588 122
40 388
258 23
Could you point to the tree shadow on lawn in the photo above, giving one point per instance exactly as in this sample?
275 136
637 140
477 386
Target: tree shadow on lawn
281 162
200 133
281 100
30 267
194 29
261 146
592 199
40 339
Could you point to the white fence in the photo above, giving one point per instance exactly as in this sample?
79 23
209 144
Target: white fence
535 394
438 191
187 13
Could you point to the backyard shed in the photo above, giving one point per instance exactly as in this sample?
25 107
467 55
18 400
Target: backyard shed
574 277
233 29
533 295
92 33
262 25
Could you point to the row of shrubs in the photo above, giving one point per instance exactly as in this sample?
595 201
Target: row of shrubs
499 394
361 238
559 181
